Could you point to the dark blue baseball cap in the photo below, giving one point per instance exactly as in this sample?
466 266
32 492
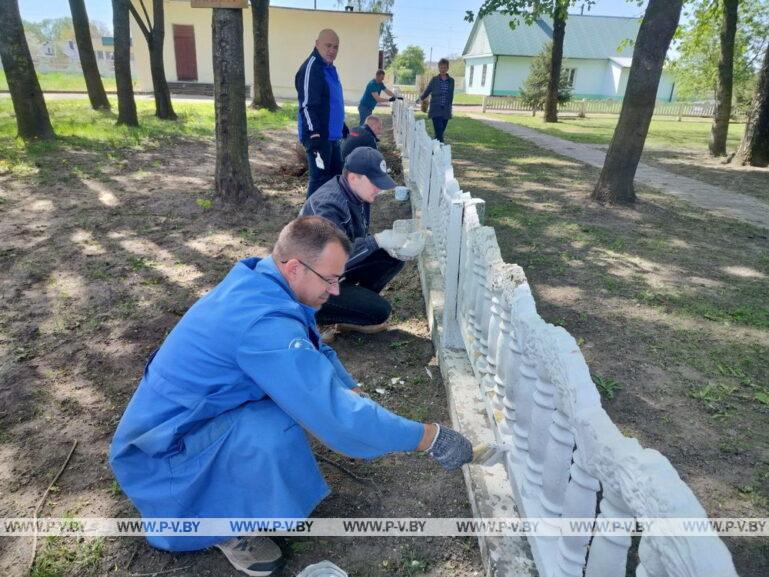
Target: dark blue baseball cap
370 163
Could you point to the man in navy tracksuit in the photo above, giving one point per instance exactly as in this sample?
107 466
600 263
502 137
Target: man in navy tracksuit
321 110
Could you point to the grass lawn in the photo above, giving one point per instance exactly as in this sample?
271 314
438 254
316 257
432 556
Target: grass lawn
668 303
63 81
77 125
463 98
679 147
666 134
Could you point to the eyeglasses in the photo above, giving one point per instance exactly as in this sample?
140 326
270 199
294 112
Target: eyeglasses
332 282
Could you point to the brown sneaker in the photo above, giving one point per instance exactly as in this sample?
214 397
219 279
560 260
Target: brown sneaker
365 329
255 556
328 333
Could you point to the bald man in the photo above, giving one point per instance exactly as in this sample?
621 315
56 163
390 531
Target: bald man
321 111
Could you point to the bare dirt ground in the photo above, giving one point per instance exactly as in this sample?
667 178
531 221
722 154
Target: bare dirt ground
98 265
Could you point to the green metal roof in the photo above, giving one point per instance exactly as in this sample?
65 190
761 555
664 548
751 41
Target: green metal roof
586 36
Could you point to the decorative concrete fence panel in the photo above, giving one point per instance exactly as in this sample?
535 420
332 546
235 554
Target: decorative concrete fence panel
566 458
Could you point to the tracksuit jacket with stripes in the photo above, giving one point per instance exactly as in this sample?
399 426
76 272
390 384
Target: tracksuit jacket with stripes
321 102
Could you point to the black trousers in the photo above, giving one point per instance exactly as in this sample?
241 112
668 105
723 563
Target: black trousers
358 302
330 153
439 126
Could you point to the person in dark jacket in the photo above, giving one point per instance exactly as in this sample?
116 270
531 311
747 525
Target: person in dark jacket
321 110
375 259
441 90
365 135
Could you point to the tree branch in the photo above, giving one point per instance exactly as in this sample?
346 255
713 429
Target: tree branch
142 26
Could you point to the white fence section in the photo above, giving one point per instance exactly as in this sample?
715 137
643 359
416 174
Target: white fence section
583 107
568 457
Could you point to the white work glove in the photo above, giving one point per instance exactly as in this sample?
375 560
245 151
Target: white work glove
389 240
412 248
401 245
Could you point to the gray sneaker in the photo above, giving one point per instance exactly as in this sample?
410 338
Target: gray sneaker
255 556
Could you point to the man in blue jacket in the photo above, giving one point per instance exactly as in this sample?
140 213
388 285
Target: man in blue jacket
321 110
217 425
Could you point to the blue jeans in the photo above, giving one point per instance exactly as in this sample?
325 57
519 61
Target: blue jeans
331 155
358 301
439 125
364 112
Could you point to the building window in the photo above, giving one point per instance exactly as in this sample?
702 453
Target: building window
472 70
483 75
570 73
48 50
100 54
71 44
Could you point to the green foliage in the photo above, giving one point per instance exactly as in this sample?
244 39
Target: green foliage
408 64
698 45
606 386
534 89
528 10
387 42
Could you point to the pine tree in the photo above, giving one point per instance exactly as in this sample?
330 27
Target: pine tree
389 48
534 89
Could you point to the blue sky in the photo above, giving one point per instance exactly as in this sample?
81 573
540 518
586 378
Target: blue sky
436 25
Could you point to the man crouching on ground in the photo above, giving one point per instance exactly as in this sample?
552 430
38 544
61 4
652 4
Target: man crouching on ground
217 425
375 260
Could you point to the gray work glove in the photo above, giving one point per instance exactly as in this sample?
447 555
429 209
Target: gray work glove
450 449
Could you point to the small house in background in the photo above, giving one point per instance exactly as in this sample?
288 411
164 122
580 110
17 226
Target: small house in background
188 54
597 54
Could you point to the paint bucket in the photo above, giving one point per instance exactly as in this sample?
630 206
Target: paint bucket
401 193
322 569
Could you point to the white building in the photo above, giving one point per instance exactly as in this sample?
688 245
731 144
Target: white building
597 54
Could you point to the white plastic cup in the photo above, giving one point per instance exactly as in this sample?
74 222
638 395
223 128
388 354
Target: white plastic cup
401 193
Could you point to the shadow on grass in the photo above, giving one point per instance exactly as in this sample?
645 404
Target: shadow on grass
664 298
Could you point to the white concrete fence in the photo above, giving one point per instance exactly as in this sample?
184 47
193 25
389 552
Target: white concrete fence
568 458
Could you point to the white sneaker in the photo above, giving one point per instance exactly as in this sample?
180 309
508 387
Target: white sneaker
255 556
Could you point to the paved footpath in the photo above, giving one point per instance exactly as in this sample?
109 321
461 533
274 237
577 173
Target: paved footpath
707 196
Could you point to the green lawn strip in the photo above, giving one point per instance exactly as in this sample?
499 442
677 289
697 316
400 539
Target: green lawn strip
694 285
677 147
663 133
63 82
80 129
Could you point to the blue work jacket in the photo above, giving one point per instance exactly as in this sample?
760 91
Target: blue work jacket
217 425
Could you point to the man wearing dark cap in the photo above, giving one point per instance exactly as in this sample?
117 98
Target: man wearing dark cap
375 259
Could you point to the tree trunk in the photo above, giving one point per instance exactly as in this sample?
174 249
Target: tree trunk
754 149
233 180
723 110
260 17
32 119
559 31
93 83
163 107
126 105
615 185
